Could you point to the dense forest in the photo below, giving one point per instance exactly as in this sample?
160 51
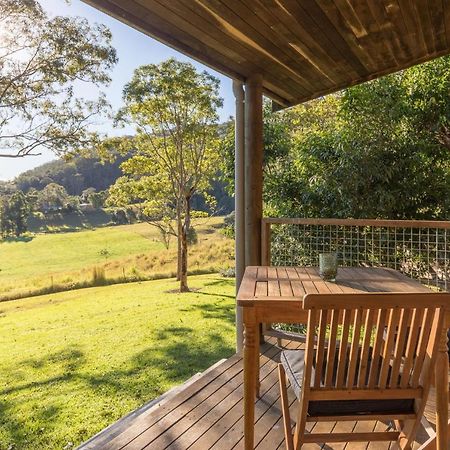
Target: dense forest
377 150
79 175
75 175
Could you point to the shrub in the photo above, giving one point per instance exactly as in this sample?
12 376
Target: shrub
228 272
192 237
228 229
98 276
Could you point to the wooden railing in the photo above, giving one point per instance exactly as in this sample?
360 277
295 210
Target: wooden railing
417 248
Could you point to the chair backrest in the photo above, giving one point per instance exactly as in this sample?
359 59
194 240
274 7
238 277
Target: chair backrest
376 345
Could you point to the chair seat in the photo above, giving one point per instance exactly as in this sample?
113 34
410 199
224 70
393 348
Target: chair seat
293 363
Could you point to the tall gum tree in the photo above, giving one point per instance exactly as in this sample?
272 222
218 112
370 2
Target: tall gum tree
174 152
42 60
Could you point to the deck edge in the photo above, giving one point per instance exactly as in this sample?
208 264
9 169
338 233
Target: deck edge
117 427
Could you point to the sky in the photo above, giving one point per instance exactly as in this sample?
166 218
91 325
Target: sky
133 50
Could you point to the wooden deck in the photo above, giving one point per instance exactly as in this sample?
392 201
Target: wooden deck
207 413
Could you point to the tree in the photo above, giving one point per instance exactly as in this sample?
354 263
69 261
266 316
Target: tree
40 60
97 199
174 153
52 198
277 144
14 211
377 150
90 171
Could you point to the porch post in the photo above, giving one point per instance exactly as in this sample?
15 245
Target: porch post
239 204
253 169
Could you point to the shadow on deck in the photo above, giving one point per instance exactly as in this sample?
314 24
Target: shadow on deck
207 413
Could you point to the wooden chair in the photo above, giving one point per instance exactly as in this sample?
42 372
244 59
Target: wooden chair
367 357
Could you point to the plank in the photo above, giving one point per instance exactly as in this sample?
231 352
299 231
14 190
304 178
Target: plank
342 427
424 19
221 427
303 50
258 23
204 388
254 39
336 28
227 429
199 420
234 435
271 426
413 26
373 17
361 427
301 33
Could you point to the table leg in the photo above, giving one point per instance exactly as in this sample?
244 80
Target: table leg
442 399
251 375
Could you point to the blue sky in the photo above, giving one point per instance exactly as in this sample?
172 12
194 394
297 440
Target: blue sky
133 49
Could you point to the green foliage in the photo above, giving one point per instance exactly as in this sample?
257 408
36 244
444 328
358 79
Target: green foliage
174 152
229 225
14 211
97 199
75 175
52 198
84 176
192 236
377 150
40 59
174 109
121 215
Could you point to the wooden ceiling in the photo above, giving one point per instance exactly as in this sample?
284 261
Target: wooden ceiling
303 48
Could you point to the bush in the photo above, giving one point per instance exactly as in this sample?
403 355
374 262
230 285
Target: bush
229 272
98 276
229 222
192 237
119 216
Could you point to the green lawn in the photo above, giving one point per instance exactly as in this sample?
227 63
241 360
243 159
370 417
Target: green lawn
134 251
64 252
74 362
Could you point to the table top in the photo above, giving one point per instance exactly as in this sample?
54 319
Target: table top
262 283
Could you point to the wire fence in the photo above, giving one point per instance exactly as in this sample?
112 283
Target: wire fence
418 249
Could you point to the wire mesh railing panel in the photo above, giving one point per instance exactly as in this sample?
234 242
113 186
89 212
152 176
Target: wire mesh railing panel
416 249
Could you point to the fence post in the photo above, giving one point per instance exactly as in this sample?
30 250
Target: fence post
265 261
265 242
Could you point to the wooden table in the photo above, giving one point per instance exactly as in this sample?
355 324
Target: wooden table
274 294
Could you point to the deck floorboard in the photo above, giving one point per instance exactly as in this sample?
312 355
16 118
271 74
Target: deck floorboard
207 414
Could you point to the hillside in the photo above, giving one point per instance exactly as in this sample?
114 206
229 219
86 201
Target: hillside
75 175
61 261
79 174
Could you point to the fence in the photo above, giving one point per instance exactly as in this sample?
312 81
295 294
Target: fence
419 249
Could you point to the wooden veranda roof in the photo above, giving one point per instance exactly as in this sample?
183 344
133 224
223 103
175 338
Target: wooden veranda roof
302 48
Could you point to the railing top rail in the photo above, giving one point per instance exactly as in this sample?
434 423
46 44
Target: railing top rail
361 222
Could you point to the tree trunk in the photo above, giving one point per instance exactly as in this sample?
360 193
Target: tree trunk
184 246
179 239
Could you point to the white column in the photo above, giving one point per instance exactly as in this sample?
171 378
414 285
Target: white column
239 202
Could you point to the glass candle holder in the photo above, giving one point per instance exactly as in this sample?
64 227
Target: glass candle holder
328 266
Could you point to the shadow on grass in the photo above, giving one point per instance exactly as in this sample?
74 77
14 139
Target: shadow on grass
216 311
216 295
220 282
11 239
178 353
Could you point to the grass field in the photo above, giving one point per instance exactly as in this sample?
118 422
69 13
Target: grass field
74 362
132 252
